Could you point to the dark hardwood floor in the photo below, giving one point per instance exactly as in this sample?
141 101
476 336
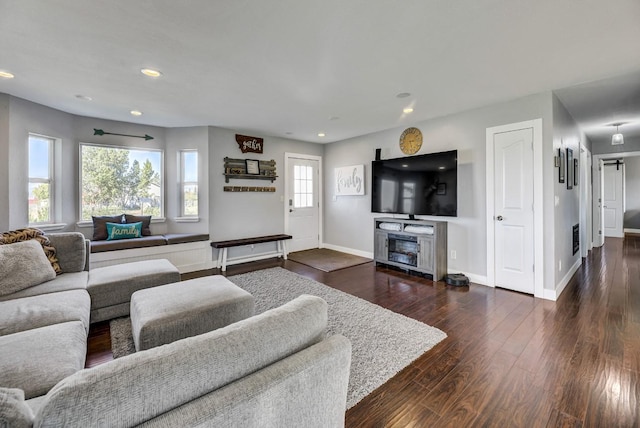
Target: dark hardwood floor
509 360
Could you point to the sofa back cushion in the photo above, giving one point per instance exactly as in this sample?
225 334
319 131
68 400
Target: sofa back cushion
71 249
138 387
29 233
23 265
14 412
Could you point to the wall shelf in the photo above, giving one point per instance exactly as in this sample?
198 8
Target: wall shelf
237 169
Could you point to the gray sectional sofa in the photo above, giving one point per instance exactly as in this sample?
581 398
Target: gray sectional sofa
274 369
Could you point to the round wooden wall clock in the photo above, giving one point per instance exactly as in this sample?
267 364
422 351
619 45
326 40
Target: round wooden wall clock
410 141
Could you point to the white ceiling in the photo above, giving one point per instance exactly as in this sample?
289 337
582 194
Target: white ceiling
286 67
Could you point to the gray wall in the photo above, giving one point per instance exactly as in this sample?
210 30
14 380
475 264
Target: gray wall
348 221
4 162
245 214
224 215
630 145
566 134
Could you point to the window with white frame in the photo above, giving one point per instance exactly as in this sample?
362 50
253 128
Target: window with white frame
116 180
302 186
41 179
189 182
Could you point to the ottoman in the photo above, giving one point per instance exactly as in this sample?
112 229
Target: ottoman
167 313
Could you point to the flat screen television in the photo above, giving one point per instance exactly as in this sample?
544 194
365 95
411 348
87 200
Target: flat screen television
416 185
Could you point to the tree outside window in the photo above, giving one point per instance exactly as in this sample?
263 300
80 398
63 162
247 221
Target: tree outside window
120 180
40 179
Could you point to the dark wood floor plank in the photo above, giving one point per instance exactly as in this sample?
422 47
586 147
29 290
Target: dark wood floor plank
509 359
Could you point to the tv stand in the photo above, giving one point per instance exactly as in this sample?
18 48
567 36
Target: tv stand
413 245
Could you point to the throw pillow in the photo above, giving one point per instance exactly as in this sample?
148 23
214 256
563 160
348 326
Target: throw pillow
14 412
145 219
100 225
23 265
123 231
21 235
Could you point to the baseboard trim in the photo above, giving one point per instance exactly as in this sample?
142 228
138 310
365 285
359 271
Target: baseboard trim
637 231
347 250
555 294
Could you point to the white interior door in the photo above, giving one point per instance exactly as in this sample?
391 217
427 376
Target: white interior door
613 200
303 204
513 210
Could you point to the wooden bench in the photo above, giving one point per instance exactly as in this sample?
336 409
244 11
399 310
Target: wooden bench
223 246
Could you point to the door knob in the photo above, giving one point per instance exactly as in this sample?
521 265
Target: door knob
499 218
290 210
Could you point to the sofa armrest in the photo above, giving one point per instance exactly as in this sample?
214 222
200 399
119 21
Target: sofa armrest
71 250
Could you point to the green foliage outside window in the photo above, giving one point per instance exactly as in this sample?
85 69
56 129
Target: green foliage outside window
113 184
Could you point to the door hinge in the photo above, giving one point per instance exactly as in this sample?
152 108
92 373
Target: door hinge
599 232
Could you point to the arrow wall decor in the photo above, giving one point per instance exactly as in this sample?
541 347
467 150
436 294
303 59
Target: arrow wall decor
101 132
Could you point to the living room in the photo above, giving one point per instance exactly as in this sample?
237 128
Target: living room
346 222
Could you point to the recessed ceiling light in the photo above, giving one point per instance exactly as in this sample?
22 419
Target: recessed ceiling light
83 97
321 134
334 118
442 167
6 75
151 72
136 113
403 95
404 165
289 133
407 110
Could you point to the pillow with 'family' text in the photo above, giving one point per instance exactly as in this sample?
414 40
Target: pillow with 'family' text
124 231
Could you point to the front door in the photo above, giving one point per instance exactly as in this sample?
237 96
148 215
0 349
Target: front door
303 204
612 199
513 210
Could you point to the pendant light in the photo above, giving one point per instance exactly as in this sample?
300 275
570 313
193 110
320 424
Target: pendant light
617 138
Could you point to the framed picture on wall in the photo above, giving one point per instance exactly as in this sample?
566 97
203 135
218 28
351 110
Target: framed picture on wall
562 166
253 167
569 168
576 172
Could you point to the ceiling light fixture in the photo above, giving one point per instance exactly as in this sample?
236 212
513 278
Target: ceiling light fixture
407 110
83 97
151 72
6 74
135 113
617 138
403 95
321 134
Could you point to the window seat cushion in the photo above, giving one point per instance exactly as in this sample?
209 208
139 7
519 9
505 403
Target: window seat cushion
147 241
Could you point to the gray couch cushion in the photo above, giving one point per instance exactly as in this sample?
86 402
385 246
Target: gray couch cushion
35 360
23 265
112 285
64 282
138 387
46 309
307 389
70 250
14 412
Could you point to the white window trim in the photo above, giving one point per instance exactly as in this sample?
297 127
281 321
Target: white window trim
53 207
184 218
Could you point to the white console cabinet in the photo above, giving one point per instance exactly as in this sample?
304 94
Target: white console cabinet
415 245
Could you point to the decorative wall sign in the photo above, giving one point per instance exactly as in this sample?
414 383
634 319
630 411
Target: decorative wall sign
253 167
101 132
562 167
349 180
249 144
569 168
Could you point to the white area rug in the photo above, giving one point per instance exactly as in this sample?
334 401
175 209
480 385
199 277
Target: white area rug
383 341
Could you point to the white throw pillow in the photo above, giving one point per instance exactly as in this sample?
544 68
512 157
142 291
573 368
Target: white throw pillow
23 265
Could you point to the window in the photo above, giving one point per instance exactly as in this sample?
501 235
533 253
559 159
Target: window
302 186
189 182
40 179
118 180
